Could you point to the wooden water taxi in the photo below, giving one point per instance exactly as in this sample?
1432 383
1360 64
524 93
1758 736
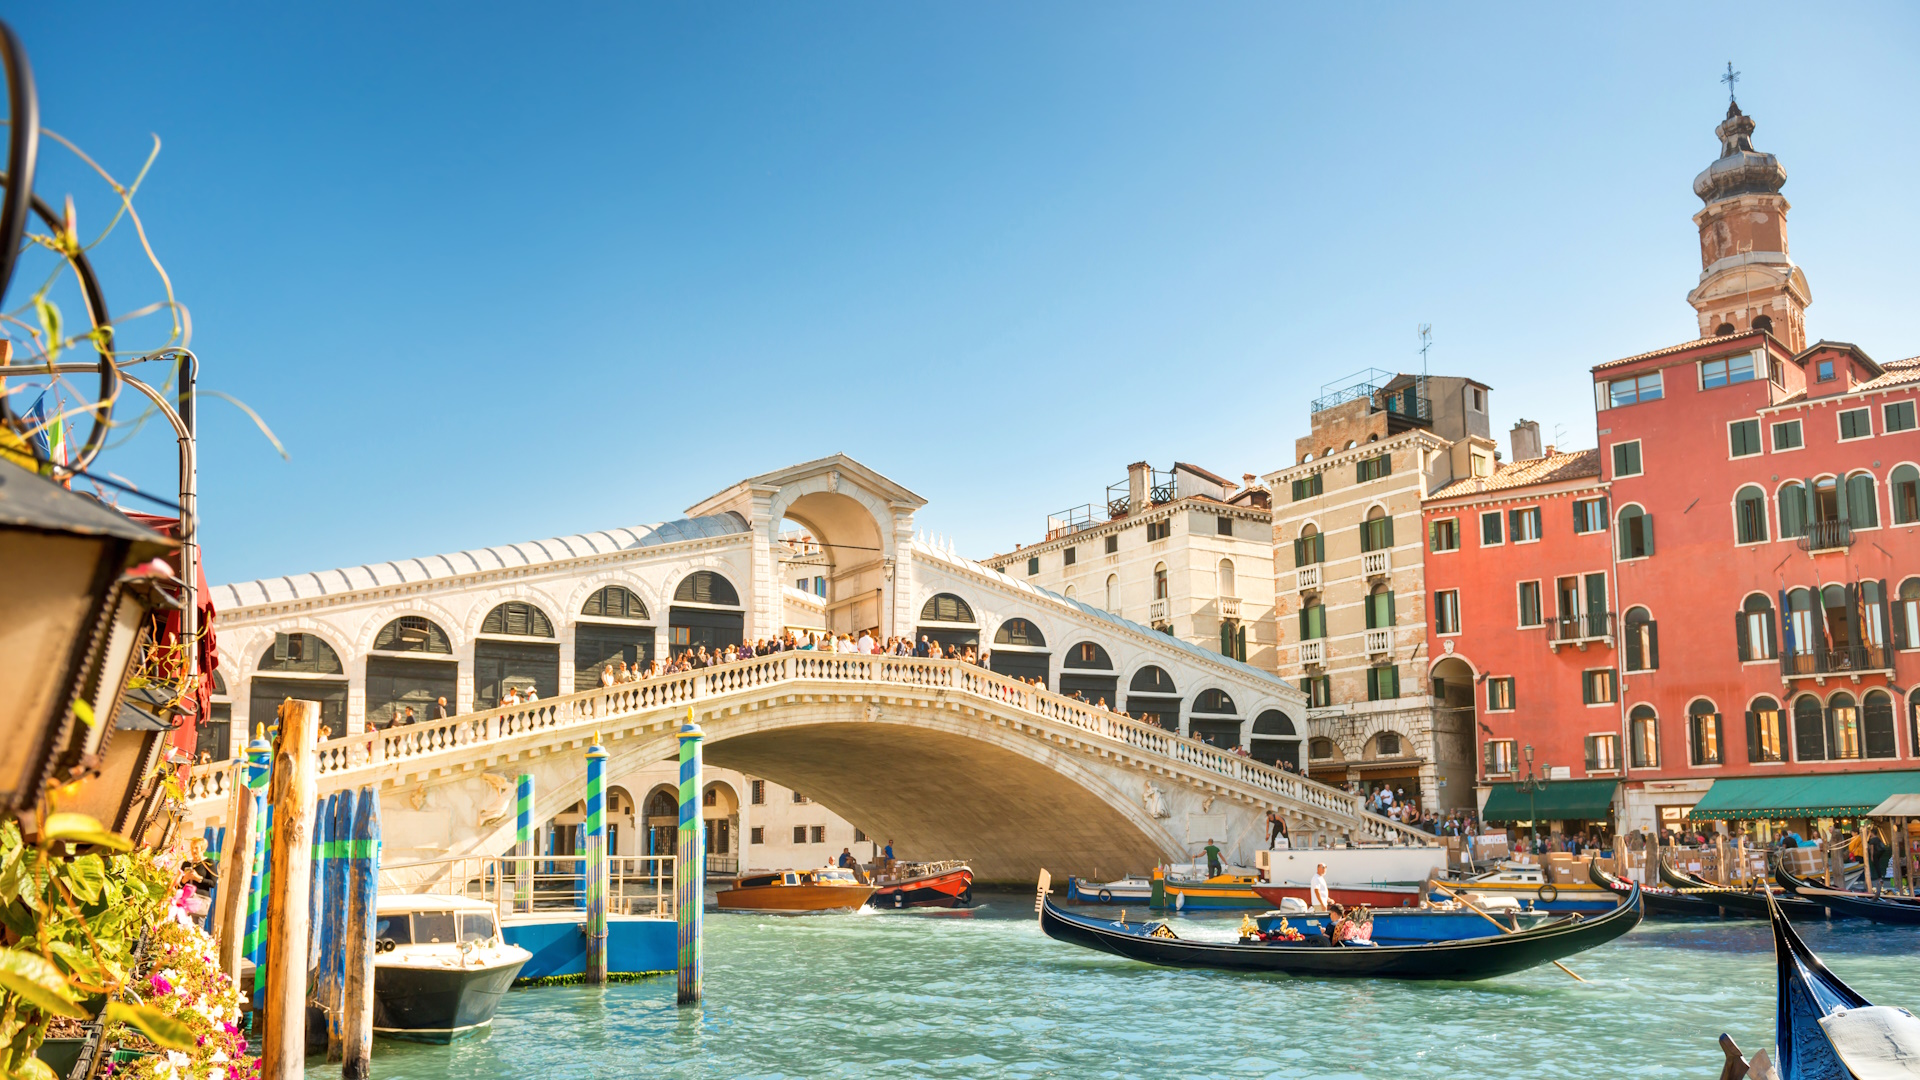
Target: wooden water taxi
909 885
795 892
1528 884
1132 889
440 967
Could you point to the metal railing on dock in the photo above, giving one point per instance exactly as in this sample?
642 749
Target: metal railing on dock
535 884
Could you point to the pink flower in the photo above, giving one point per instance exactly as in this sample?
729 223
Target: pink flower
160 985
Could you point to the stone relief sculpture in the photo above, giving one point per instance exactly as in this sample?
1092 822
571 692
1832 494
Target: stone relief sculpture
1156 801
505 789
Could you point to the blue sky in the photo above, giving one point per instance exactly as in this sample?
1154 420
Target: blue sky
502 273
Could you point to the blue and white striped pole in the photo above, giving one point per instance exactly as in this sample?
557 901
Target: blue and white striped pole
523 846
690 869
332 986
597 866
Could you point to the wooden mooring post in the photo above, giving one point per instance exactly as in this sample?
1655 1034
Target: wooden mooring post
236 882
363 891
690 867
294 798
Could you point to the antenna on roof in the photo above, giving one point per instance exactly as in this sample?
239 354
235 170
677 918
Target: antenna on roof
1426 342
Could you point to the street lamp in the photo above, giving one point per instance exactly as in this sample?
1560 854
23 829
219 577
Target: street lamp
1533 783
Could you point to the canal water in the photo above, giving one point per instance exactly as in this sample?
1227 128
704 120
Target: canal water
983 994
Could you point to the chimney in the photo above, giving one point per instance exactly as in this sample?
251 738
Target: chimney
1525 439
1247 479
1137 482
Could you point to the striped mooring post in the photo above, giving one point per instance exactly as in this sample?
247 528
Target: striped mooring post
357 947
254 946
333 952
216 845
320 875
690 868
597 865
523 847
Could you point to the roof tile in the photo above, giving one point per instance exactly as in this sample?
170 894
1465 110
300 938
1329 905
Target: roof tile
1575 465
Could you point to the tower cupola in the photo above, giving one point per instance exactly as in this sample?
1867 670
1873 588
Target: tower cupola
1747 280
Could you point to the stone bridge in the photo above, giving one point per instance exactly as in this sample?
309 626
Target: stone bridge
948 758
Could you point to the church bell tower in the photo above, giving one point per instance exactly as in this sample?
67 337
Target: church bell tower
1747 281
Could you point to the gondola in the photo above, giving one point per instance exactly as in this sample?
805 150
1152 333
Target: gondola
1901 910
1477 958
1740 901
1659 902
1823 1029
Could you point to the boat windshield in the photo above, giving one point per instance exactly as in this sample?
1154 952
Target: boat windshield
837 877
476 926
394 928
433 927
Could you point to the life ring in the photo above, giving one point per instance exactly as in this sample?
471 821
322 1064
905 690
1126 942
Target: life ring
1548 894
1106 896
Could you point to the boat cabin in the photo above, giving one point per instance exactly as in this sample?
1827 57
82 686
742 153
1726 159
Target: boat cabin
434 920
771 879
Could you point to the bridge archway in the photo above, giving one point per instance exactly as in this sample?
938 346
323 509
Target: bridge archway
857 556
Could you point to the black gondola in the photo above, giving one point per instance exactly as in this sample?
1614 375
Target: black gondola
1475 958
1740 901
1659 902
1823 1029
1901 910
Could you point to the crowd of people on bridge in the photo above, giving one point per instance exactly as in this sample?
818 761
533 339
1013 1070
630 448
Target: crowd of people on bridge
866 643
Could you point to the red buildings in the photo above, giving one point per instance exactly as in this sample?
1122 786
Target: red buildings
1720 616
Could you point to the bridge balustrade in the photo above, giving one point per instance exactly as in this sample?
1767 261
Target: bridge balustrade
374 750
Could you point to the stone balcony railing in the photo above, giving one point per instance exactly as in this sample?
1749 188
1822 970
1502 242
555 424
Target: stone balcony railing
1313 653
1229 607
1375 564
1307 577
1379 642
1157 612
372 756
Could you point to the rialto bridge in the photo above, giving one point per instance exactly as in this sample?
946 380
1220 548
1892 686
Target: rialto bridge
948 759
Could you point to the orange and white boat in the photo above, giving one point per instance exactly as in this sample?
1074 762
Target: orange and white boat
795 892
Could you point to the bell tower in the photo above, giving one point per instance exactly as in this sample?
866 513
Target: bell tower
1747 281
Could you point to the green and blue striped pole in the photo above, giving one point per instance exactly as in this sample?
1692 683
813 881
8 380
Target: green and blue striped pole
216 850
690 869
320 877
597 866
254 944
333 939
523 844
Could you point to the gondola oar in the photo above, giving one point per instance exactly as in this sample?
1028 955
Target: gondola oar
1504 928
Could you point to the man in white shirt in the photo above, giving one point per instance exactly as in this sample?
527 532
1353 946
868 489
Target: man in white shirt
866 644
1317 895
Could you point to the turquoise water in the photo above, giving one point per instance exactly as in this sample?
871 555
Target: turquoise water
985 994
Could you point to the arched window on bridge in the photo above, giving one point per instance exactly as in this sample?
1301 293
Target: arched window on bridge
948 620
1019 651
1088 674
1274 739
412 666
612 637
304 668
699 617
663 822
502 665
1152 697
1215 720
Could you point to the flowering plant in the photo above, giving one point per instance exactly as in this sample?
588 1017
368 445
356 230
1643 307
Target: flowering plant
199 1003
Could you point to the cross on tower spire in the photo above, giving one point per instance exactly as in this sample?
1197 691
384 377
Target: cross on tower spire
1730 78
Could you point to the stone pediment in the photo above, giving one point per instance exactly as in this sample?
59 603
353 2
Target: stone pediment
839 470
1750 278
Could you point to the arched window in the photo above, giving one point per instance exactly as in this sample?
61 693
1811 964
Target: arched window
1906 619
1766 731
1376 533
1763 322
411 633
1386 744
706 587
1379 608
1213 701
1703 733
1873 605
1809 729
1644 725
1800 638
1273 724
1319 749
1905 483
1310 548
1019 632
1159 581
1753 627
518 619
1151 680
1088 654
303 653
614 602
946 607
1913 717
1226 578
1750 515
1313 620
1113 594
1826 499
1068 593
1793 510
1636 533
1863 502
1876 722
1723 329
1843 728
1642 640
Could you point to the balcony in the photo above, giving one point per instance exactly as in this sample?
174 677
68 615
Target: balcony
1313 653
1157 612
1307 578
1827 536
1229 607
1379 642
1854 661
1375 564
1581 630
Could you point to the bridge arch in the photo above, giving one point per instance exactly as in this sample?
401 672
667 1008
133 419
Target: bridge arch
854 529
584 589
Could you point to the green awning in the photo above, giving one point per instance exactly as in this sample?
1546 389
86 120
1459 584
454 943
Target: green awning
1557 800
1750 798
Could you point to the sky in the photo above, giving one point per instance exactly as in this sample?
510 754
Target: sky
503 273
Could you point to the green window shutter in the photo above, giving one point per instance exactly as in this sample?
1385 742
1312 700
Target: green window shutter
1746 642
1388 529
1299 550
1390 613
1304 636
1646 531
